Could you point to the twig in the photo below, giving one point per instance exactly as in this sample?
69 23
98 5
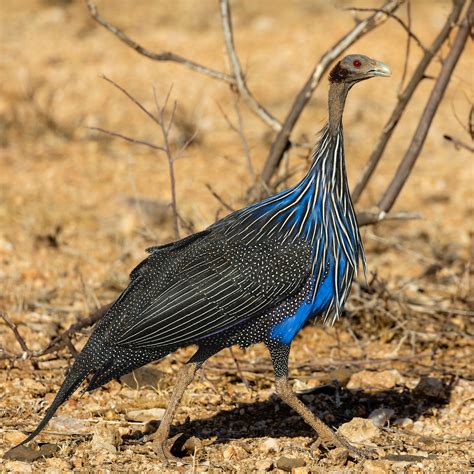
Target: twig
126 138
75 328
240 83
227 206
282 141
407 49
164 56
239 129
26 350
239 370
165 129
368 218
405 167
404 99
406 27
458 143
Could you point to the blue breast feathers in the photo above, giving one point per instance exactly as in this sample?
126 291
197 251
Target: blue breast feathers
326 296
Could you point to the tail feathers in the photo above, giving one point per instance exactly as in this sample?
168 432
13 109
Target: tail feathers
69 386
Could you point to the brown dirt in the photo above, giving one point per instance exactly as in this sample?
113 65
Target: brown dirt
69 235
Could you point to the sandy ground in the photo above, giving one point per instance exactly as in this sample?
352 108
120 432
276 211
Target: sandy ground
75 217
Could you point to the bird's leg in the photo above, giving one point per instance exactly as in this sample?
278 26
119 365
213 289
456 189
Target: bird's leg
184 378
279 353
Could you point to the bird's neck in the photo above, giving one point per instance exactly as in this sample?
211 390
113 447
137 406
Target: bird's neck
336 101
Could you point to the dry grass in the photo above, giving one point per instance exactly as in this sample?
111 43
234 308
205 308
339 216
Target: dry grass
71 228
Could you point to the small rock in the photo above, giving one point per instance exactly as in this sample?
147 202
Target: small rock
380 416
287 464
106 437
145 415
406 423
192 445
69 425
263 465
306 387
33 386
431 387
338 455
234 453
367 379
270 445
17 467
13 437
28 454
359 430
300 470
376 467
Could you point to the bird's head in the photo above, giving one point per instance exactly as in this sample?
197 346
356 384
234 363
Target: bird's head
357 67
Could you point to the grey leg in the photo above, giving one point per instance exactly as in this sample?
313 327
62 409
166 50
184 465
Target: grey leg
160 437
279 353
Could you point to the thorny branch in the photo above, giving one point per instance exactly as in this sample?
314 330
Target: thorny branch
282 142
406 165
404 99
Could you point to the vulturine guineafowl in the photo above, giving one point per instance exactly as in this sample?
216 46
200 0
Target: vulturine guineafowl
257 275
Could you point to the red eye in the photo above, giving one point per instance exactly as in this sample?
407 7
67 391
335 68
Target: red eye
357 63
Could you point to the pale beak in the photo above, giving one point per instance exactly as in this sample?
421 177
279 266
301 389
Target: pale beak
381 69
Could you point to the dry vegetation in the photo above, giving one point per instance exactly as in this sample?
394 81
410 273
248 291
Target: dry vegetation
77 209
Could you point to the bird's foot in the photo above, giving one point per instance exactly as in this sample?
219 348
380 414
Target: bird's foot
162 447
344 449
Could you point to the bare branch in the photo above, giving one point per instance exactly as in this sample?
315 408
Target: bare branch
404 99
458 143
128 139
213 192
406 27
61 340
244 91
26 351
282 141
405 167
165 129
239 129
164 56
130 96
368 218
407 49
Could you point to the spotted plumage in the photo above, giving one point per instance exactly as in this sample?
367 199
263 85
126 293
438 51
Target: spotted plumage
255 276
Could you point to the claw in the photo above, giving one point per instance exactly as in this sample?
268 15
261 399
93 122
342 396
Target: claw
162 447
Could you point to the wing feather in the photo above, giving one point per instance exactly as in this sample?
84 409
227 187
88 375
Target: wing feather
216 284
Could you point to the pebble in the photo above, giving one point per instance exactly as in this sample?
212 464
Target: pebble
12 438
270 445
106 437
381 416
263 465
287 464
359 430
406 423
376 467
145 415
368 379
69 425
431 387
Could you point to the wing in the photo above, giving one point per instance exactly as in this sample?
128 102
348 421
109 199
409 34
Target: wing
216 284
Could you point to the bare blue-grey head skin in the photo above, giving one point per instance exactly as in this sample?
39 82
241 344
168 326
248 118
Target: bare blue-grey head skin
255 276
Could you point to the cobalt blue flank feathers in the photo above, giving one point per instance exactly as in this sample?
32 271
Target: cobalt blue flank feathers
255 276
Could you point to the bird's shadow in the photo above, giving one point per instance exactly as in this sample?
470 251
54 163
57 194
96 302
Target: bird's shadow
334 404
